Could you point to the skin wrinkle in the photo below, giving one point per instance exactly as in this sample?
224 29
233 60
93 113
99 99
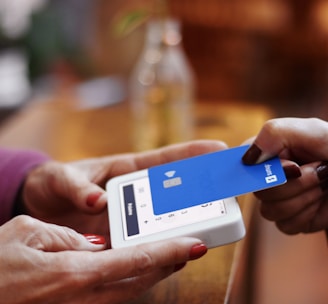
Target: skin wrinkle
293 206
133 286
143 262
36 241
300 205
29 259
290 227
273 128
73 278
122 166
316 208
68 269
321 216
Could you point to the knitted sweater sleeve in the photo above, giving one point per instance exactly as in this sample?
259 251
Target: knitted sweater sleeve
14 166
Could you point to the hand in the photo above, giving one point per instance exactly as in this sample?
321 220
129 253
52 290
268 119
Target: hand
73 194
301 205
45 263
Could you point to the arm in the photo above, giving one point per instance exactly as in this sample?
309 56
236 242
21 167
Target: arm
14 166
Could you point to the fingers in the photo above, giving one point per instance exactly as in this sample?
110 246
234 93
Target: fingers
54 188
48 237
118 291
297 206
131 288
146 258
293 187
75 186
290 138
284 209
143 264
108 167
176 152
105 168
72 185
301 222
83 276
85 189
119 264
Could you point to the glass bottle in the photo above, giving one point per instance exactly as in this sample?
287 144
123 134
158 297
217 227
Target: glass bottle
161 89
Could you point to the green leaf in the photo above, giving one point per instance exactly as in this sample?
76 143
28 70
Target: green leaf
130 21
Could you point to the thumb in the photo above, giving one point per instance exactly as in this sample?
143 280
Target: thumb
52 238
75 186
290 138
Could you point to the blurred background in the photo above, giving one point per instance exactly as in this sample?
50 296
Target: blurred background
251 60
268 51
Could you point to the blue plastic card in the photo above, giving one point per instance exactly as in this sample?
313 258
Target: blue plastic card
210 177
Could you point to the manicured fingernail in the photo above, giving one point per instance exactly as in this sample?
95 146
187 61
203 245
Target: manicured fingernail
95 239
179 267
93 198
197 251
322 171
252 155
292 171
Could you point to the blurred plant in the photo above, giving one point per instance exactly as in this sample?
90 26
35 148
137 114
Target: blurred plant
130 19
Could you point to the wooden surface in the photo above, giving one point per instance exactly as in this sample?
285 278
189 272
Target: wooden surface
66 132
289 269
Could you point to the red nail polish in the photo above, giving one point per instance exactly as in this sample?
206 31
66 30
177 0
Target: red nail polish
95 239
93 198
197 251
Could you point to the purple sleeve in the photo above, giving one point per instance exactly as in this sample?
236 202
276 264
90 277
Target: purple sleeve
14 166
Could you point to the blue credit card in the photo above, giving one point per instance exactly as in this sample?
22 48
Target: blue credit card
210 177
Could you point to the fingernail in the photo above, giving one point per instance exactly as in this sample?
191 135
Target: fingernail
95 239
252 155
179 267
93 198
292 171
197 251
322 171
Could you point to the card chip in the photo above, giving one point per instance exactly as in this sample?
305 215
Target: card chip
168 183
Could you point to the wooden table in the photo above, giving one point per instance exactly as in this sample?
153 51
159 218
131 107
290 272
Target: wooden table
58 127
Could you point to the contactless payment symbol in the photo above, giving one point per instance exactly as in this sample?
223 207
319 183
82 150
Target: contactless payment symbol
171 181
210 177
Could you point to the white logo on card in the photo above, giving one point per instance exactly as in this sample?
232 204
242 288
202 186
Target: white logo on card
270 178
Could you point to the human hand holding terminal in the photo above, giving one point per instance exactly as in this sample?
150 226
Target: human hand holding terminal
53 263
